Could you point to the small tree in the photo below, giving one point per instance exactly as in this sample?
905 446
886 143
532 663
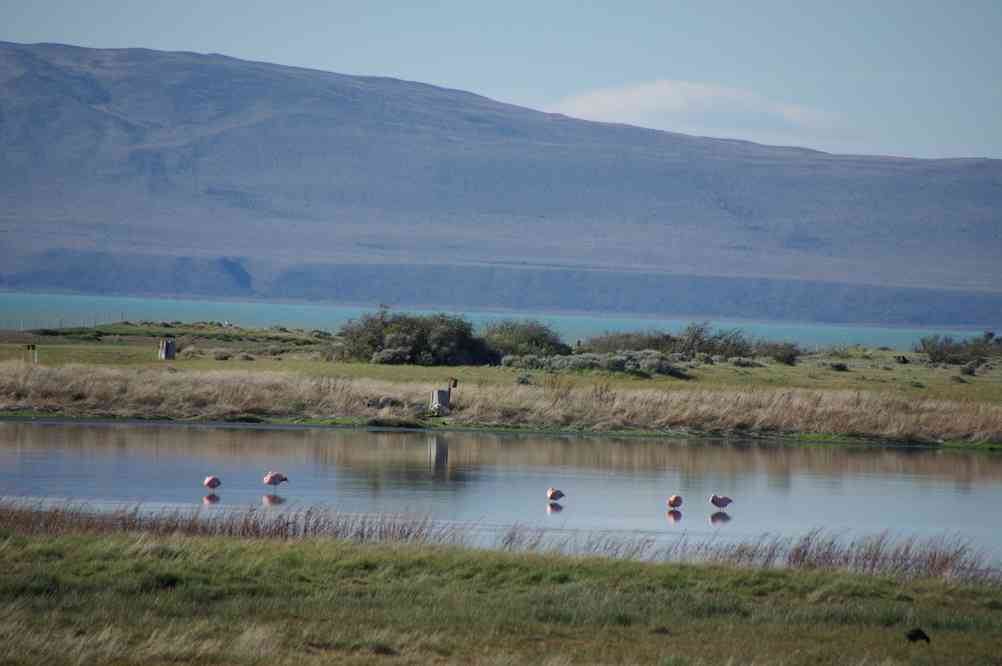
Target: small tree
524 337
437 339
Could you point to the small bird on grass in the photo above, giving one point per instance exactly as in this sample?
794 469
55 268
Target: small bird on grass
916 635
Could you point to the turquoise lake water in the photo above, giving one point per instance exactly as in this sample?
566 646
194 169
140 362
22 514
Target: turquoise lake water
27 310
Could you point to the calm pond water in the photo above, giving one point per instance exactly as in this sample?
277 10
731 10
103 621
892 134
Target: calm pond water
496 480
19 310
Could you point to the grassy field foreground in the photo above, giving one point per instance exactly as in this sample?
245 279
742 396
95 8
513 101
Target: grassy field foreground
122 596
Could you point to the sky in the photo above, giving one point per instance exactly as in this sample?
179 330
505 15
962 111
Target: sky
915 78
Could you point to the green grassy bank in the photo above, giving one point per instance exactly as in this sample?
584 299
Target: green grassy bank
288 376
140 598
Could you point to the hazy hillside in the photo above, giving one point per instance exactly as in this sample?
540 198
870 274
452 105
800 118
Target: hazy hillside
143 171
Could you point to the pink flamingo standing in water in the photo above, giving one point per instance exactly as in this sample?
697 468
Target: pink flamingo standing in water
274 478
720 501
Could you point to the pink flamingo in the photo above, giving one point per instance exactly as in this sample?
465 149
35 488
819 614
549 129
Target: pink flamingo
212 482
720 501
274 478
675 501
552 494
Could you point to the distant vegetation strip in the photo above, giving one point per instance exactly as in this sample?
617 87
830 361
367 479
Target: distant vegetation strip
84 589
554 403
441 339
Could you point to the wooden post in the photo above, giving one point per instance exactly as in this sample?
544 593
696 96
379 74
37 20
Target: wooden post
440 402
167 349
441 399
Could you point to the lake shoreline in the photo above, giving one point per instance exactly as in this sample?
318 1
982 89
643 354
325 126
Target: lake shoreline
225 374
385 425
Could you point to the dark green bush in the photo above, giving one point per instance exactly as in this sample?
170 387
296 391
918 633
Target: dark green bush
696 338
783 352
945 349
525 336
609 343
436 339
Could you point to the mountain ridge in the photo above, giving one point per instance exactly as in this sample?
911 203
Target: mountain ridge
144 153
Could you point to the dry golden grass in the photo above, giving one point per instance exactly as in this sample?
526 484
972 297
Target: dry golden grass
558 403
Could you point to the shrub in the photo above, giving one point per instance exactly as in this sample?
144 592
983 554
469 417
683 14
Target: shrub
614 342
692 340
783 352
945 349
437 339
525 336
646 362
391 356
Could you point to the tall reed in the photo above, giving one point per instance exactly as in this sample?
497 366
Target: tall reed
944 557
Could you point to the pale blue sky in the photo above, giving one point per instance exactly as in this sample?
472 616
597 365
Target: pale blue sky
903 77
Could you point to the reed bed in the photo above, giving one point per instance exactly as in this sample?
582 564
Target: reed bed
943 558
77 390
68 518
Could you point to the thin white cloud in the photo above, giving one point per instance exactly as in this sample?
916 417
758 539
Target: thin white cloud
707 109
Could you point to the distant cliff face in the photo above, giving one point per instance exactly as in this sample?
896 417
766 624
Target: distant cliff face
136 170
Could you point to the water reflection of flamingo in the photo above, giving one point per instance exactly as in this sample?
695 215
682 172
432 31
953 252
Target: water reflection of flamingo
720 501
553 507
212 482
674 516
719 518
274 479
552 494
272 500
675 501
210 499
